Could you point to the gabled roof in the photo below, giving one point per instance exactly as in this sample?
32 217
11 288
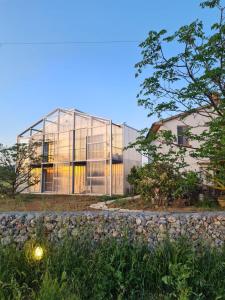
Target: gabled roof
46 118
156 125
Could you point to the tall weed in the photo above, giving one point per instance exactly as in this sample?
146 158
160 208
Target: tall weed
81 268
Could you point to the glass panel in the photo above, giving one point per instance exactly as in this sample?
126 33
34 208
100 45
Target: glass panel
117 154
62 175
98 138
117 178
80 154
63 147
107 177
49 148
96 185
52 126
80 144
37 140
117 143
66 122
63 139
81 122
96 151
48 179
97 123
96 169
80 179
97 131
96 143
96 177
117 140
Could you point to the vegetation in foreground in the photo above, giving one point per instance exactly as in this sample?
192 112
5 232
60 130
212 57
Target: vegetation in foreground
83 269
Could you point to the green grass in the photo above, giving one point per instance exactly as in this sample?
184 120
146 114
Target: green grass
208 203
83 269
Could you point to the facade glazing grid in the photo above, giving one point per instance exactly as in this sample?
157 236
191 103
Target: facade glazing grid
81 154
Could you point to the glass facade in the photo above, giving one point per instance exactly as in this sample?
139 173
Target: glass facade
80 154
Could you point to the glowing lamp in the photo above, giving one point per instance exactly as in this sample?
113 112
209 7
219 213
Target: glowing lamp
38 253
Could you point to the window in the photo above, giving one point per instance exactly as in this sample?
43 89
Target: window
48 179
182 138
96 147
48 151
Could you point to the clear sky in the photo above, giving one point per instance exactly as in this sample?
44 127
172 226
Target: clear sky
95 78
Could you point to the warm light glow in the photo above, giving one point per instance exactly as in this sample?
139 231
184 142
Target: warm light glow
38 253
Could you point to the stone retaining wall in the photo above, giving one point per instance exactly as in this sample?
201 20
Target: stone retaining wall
153 227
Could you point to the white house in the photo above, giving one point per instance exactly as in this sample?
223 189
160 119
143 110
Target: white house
197 121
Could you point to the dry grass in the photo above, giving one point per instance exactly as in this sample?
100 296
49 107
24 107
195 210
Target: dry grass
82 203
140 204
48 203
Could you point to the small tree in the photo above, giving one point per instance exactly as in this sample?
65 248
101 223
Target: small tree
17 168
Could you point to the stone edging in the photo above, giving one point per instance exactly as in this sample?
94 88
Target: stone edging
103 205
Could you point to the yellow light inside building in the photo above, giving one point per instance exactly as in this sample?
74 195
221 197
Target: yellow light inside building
38 253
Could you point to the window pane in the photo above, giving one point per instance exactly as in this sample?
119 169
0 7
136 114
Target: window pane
98 138
96 169
48 179
182 139
96 151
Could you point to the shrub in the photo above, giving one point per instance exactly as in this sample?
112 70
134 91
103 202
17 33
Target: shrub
160 183
188 187
134 178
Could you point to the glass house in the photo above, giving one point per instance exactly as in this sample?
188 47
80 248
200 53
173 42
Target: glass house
81 154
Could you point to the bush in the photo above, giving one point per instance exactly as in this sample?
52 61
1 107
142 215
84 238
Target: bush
111 269
208 203
160 183
188 187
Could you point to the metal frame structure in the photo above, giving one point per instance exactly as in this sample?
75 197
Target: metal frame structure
81 153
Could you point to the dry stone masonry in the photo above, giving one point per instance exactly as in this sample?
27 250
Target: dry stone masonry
151 227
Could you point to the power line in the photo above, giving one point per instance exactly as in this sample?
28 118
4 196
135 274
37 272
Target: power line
43 43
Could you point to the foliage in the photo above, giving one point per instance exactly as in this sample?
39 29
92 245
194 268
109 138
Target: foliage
190 81
111 269
160 183
134 178
208 203
188 186
214 149
198 66
16 168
